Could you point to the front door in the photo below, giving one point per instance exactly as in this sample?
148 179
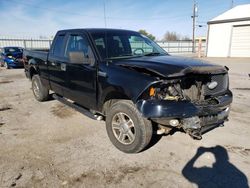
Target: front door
81 78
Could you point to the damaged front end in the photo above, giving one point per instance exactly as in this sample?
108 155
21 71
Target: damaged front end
196 102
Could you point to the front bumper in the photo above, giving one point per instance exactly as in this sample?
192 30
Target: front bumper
15 63
162 111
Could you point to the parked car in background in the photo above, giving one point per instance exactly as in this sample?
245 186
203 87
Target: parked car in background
11 57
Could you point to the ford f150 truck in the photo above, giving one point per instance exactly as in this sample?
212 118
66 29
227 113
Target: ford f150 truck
127 80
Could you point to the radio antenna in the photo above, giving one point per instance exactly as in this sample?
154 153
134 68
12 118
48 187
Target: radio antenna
104 12
106 37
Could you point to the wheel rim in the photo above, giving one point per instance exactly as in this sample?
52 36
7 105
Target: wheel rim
36 89
123 128
5 65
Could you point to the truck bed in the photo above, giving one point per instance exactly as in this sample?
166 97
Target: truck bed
36 54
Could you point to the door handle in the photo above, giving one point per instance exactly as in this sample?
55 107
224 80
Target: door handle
63 66
55 63
103 74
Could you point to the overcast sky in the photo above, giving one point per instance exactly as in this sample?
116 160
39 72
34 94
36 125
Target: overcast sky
33 18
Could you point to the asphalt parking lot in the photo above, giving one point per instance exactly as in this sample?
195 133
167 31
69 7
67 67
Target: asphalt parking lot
50 145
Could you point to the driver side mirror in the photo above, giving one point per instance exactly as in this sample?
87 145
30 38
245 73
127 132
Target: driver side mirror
79 58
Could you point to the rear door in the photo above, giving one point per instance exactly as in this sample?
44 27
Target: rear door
56 64
81 78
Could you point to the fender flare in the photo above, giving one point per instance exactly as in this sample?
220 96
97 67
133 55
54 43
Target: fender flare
33 68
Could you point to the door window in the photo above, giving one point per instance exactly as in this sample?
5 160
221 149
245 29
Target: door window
58 46
78 43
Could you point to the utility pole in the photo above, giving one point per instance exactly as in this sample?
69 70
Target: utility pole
194 18
232 3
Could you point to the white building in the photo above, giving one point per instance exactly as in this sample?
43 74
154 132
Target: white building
229 33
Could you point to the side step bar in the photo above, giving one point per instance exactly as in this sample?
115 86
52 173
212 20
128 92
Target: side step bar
78 108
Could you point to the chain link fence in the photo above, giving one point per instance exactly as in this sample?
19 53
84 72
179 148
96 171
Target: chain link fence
26 43
172 47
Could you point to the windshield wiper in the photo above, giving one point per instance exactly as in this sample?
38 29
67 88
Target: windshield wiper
123 56
152 54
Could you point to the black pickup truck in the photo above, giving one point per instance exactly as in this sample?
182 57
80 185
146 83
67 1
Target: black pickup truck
130 82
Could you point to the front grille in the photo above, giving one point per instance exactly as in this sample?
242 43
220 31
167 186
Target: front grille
196 87
222 84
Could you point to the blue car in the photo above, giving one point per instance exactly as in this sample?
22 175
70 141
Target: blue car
11 57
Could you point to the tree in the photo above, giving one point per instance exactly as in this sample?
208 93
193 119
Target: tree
144 32
186 38
171 36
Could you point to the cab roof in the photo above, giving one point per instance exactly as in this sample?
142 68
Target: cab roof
96 30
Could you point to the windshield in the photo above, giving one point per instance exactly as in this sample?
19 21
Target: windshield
125 44
11 50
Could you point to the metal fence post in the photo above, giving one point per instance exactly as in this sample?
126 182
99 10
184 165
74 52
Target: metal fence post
24 44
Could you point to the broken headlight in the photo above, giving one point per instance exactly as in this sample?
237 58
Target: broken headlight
165 92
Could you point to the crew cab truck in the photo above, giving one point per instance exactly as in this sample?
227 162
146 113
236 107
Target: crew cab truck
127 80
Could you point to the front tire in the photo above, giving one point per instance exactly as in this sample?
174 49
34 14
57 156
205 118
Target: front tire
40 92
126 128
6 65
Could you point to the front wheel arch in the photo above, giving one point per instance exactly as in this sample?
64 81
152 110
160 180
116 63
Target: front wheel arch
111 98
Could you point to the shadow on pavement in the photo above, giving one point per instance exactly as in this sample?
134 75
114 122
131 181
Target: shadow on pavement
154 140
221 174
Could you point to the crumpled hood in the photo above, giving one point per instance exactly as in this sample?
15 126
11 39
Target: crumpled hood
170 66
15 55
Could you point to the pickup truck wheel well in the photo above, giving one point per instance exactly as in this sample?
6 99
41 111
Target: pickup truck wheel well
111 99
32 72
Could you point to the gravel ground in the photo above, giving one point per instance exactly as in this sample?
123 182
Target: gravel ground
50 145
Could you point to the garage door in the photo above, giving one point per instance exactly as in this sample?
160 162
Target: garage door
240 44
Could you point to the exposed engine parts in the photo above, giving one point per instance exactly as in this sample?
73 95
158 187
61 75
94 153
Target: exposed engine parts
199 90
192 126
195 88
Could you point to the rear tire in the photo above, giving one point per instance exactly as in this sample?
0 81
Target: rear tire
40 92
126 128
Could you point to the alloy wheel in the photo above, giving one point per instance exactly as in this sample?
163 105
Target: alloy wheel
123 128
